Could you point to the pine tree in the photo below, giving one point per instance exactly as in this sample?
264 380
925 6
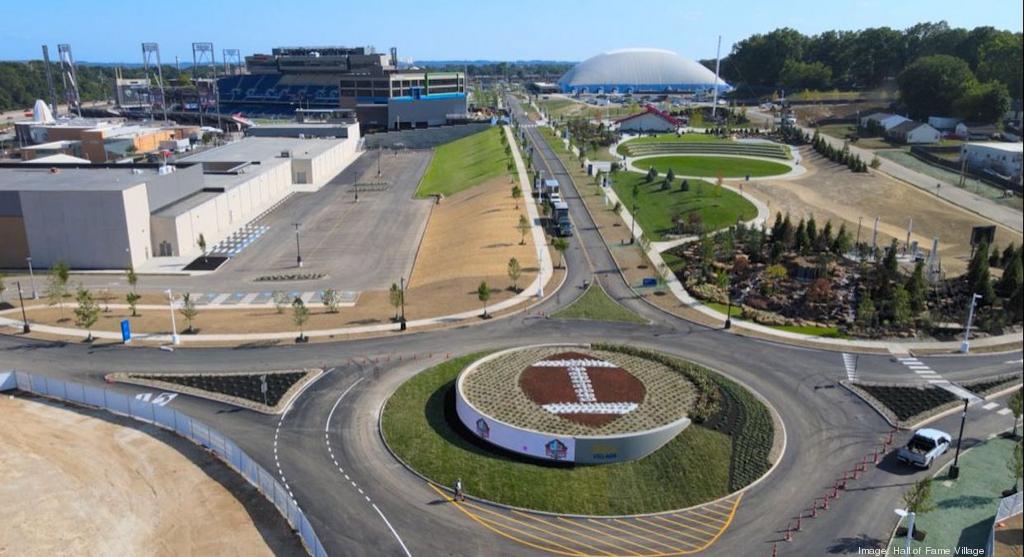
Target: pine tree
800 241
841 244
1013 276
812 232
787 232
917 288
979 264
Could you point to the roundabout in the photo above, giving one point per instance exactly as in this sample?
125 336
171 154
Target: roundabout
524 427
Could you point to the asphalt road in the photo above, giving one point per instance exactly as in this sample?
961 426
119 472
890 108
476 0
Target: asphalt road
362 502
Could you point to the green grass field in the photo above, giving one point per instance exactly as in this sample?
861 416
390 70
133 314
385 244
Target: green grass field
827 332
465 163
690 469
596 305
717 207
728 167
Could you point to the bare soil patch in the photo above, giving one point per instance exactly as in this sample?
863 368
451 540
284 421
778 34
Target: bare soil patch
78 482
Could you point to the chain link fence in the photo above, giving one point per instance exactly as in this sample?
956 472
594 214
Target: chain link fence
182 424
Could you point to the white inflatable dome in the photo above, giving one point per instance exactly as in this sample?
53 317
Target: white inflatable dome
639 69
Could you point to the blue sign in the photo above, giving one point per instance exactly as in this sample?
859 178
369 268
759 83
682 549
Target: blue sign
126 331
650 281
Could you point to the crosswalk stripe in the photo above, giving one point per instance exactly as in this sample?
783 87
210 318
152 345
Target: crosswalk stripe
1003 411
990 406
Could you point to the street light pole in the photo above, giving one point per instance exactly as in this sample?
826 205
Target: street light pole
24 318
174 327
298 250
965 345
910 516
728 312
32 277
954 470
401 322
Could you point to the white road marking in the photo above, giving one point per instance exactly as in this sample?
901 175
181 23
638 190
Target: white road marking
850 363
160 400
327 426
397 537
1003 411
990 406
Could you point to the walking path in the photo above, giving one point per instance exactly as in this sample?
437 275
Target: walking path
535 290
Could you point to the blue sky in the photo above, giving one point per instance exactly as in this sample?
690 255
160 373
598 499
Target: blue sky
112 30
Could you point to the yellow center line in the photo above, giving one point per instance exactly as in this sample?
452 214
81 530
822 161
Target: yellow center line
573 532
699 539
501 532
674 539
696 526
520 522
579 524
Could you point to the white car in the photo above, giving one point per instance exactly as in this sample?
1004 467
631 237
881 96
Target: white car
924 447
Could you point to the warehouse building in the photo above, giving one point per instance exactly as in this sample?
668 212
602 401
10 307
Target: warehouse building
121 216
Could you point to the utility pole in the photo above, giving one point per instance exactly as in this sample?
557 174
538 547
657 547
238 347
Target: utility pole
718 62
32 277
954 470
401 321
298 250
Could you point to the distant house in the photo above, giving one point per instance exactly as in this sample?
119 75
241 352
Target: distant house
995 156
884 119
912 132
943 123
975 130
651 120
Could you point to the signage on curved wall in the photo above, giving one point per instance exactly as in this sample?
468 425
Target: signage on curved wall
538 445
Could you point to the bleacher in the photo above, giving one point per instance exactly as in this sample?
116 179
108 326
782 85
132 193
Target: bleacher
269 94
768 150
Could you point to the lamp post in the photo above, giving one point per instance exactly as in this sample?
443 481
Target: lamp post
540 275
965 345
298 250
175 340
954 470
32 278
910 516
24 318
728 312
401 320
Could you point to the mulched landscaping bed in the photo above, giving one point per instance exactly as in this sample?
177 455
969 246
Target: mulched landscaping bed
206 263
985 387
240 389
909 403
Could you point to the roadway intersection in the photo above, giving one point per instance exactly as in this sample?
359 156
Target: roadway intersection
361 501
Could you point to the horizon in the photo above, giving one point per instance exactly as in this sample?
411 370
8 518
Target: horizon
478 35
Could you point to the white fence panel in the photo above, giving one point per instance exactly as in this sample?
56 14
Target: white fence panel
75 392
94 396
56 388
117 403
183 425
164 417
141 409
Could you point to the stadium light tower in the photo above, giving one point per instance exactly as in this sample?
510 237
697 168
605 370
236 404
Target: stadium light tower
69 77
204 55
151 55
232 58
49 79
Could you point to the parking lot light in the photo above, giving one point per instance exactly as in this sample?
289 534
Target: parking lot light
175 340
954 470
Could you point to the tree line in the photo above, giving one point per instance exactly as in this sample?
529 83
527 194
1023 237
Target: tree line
866 58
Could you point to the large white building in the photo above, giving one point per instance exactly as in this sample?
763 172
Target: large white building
999 157
634 70
120 217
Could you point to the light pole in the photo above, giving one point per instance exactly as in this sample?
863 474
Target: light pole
728 311
965 345
298 250
910 516
174 328
540 275
401 320
954 470
32 278
24 318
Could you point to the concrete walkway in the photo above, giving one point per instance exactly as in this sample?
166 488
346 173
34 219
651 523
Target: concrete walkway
534 291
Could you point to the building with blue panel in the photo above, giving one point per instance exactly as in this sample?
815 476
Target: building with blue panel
640 70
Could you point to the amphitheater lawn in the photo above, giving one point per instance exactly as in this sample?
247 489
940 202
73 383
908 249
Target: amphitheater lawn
464 163
729 167
690 469
717 207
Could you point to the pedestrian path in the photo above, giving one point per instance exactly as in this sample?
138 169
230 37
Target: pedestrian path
929 376
346 298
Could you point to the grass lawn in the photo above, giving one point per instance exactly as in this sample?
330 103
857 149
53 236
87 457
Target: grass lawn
717 207
464 163
904 158
838 131
729 167
723 308
962 517
596 305
690 469
827 332
685 138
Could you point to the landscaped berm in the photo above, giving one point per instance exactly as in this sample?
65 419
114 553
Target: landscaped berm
582 429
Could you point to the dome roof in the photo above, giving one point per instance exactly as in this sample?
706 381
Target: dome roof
639 68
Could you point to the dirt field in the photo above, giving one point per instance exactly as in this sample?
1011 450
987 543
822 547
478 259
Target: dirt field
829 191
78 483
470 237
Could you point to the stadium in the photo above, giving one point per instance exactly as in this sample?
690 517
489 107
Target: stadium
639 70
561 403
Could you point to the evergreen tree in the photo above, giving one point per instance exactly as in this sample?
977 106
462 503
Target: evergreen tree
1013 276
841 244
787 232
812 232
866 311
1007 255
917 289
1015 305
825 238
800 241
978 265
777 228
901 314
890 266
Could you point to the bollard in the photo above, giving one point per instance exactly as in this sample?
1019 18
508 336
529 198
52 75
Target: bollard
798 524
788 536
889 440
842 484
835 492
875 459
814 509
825 501
775 551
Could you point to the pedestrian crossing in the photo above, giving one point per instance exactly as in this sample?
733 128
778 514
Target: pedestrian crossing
850 363
928 375
347 298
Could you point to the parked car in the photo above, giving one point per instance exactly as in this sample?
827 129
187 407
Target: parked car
924 447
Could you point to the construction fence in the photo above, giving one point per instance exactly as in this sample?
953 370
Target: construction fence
180 423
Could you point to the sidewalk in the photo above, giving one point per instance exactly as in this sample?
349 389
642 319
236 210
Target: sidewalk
964 508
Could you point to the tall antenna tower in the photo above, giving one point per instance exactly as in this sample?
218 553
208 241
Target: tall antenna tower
69 78
204 55
718 63
151 57
49 79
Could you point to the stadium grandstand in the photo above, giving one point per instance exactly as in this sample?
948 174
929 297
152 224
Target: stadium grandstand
384 97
